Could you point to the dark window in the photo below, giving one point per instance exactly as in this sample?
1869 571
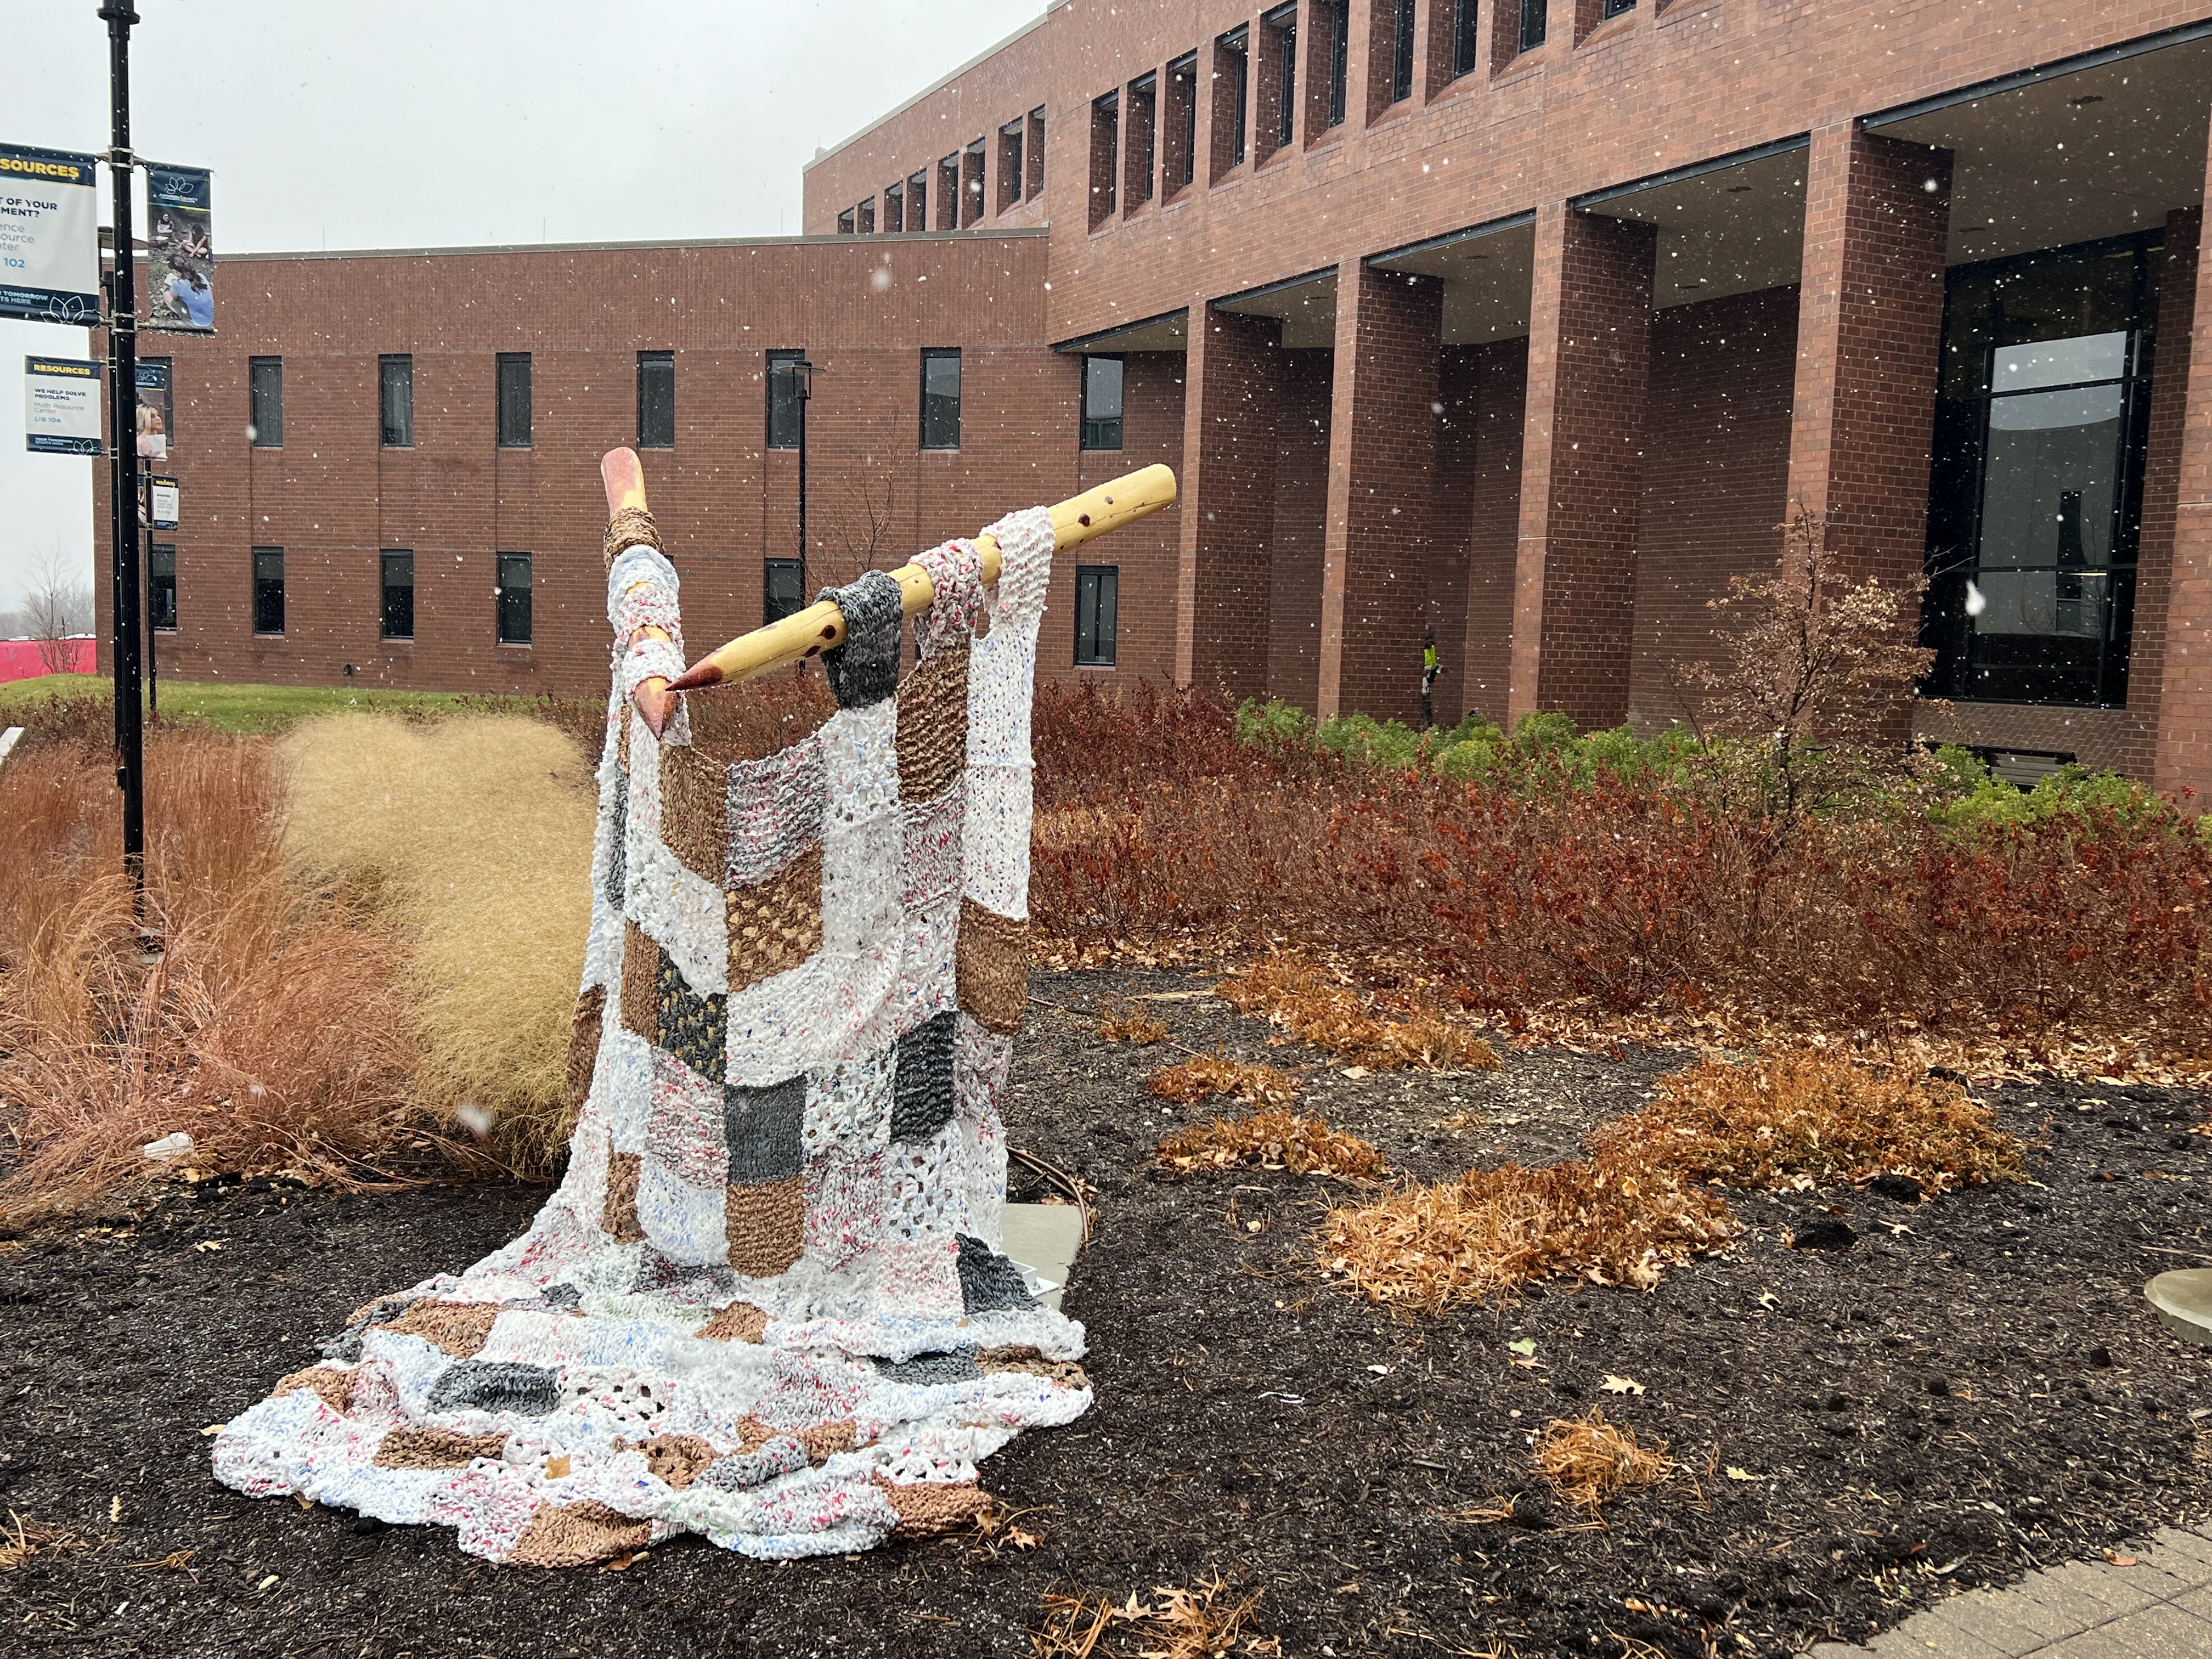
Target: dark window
1340 60
1402 58
1467 41
1102 402
1009 162
1615 8
1143 106
1532 24
895 207
395 401
917 202
515 400
786 400
940 398
845 223
971 183
266 382
782 589
269 590
656 400
1182 123
399 590
162 589
867 216
1035 185
1105 154
2036 492
1232 88
515 598
1098 590
1280 45
948 192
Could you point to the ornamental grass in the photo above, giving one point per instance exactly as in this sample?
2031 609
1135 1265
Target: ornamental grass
1274 1140
1589 1460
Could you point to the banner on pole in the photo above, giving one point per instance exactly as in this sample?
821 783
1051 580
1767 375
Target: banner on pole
49 236
180 249
163 495
61 406
154 410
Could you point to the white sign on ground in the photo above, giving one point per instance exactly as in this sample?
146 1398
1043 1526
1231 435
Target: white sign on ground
49 236
61 406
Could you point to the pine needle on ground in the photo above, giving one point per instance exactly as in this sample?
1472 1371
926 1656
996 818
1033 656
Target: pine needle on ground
1589 1460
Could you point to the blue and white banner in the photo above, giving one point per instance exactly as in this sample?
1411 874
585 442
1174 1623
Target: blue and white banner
49 236
61 406
179 249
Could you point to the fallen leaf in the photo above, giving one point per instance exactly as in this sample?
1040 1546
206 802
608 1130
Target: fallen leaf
1022 1541
1735 1473
1351 1589
1527 1344
266 1583
1355 1070
1621 1384
114 1510
2121 1560
207 1244
215 1428
624 1562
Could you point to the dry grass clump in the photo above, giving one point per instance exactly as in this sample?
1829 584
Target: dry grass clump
1130 1023
1814 1116
1273 1139
473 837
1207 1621
1589 1460
1296 996
1424 1249
270 1028
23 1538
1205 1076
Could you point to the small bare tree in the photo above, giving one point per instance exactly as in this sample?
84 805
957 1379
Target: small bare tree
863 527
57 608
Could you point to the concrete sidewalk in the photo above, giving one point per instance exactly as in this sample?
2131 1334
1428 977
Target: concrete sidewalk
2160 1609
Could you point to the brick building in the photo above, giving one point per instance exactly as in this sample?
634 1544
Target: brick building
1527 320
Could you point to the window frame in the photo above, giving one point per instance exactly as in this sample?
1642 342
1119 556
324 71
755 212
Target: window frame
1181 128
1465 39
507 362
894 208
654 361
385 588
1535 25
264 393
1339 64
387 426
258 579
1140 148
155 586
1105 155
771 568
1013 166
1092 582
503 591
1232 96
940 354
796 406
1280 36
1092 432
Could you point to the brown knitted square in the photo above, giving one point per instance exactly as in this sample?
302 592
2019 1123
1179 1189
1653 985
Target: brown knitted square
333 1388
586 1027
932 1506
678 1459
695 811
740 1321
933 725
577 1535
641 982
824 1440
776 924
992 966
461 1329
421 1447
766 1225
618 1216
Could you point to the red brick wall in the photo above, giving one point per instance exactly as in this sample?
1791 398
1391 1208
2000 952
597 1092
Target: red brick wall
1229 487
1496 377
1297 554
2184 727
2177 297
1148 552
1715 468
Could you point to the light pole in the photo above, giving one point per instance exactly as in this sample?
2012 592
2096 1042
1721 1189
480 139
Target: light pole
123 408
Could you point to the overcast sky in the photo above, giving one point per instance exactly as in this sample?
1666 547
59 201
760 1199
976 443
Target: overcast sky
428 123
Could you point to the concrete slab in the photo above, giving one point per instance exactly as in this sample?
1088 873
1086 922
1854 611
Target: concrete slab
1046 1239
2184 1301
2164 1632
1992 1619
1917 1639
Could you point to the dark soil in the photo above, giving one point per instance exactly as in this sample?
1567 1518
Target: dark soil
1974 1387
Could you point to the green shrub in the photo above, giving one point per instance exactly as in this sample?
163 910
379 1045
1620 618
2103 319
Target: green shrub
1273 725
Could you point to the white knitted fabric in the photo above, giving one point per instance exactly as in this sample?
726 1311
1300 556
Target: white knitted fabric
767 1304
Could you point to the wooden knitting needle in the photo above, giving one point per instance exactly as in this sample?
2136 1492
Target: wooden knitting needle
625 481
810 632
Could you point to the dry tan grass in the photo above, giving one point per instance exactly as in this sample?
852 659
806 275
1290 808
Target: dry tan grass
1815 1116
1130 1023
23 1538
1273 1139
1589 1460
1205 1076
473 836
1299 998
270 1026
1207 1621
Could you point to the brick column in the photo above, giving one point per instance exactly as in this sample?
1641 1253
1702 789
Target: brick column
1228 502
1582 466
1381 475
2185 708
1869 335
2169 399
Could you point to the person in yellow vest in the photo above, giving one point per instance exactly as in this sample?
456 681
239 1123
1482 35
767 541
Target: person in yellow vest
1429 672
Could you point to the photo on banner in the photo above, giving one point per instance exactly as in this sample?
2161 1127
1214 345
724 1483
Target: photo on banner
61 406
180 248
49 236
156 411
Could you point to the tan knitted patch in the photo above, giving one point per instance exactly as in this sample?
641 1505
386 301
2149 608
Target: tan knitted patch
618 1216
753 1434
420 1447
825 1440
577 1535
461 1329
678 1459
776 924
586 1027
641 983
1065 1373
695 819
933 725
992 964
932 1506
334 1389
740 1321
765 1225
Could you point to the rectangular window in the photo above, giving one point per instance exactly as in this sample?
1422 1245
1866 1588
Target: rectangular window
1278 46
269 590
1102 402
948 192
1616 8
940 397
1467 39
783 585
162 590
917 201
1098 591
515 598
265 387
395 400
866 211
1179 166
1105 154
894 208
1232 66
656 400
971 183
1401 53
1532 24
1034 186
398 585
786 400
1137 180
845 223
1340 57
515 400
1009 162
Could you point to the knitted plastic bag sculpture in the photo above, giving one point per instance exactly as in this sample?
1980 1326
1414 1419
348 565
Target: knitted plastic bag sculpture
767 1304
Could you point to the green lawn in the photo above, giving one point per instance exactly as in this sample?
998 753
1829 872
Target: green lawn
248 709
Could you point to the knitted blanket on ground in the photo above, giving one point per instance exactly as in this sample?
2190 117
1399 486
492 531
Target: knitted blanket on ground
767 1304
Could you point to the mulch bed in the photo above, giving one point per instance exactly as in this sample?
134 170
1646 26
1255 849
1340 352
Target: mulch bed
1975 1388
